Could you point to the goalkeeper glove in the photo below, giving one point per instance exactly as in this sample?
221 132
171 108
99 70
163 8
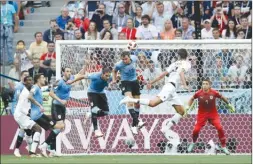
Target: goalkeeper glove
231 108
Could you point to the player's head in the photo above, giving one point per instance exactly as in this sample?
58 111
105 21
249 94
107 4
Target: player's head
39 79
67 72
125 57
182 53
28 81
206 84
23 75
106 74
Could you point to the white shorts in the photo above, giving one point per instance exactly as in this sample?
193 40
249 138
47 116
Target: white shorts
24 121
168 93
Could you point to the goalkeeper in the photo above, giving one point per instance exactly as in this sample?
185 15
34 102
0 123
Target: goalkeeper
96 95
207 111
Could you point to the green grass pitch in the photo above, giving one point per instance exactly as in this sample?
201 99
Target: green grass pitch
156 159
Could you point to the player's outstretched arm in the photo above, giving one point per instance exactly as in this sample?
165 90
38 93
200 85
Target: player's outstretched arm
230 107
159 78
78 77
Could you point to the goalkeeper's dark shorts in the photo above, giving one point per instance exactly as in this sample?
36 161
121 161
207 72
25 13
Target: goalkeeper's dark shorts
46 122
131 86
58 112
98 100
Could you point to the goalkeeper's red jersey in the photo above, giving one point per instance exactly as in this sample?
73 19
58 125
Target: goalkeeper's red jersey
207 101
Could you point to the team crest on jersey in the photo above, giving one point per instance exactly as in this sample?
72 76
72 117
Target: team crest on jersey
59 116
51 123
91 103
123 88
211 97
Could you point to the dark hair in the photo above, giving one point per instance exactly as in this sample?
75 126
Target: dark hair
27 77
244 17
182 53
37 76
58 33
52 20
125 53
21 74
207 79
21 41
102 4
216 29
240 30
228 31
63 69
50 42
103 35
106 70
146 17
36 33
107 20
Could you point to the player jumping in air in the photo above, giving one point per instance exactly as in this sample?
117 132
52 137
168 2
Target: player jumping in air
36 98
130 86
208 112
18 89
21 116
176 72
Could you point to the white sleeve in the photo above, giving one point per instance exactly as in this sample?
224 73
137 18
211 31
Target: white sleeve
170 68
138 32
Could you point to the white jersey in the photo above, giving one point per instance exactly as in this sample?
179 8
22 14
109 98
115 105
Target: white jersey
175 69
23 104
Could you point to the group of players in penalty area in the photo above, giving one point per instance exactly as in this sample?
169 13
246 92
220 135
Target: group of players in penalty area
28 112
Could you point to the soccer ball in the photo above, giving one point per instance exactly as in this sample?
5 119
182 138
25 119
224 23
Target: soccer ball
130 142
132 45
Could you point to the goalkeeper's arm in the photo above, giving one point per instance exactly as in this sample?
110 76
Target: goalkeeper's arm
229 106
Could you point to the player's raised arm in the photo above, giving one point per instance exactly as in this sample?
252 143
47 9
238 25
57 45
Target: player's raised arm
158 78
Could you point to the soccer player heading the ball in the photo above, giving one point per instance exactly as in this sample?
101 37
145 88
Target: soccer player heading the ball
208 112
96 95
130 86
176 72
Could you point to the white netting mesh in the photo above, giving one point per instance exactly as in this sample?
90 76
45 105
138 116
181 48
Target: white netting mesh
228 64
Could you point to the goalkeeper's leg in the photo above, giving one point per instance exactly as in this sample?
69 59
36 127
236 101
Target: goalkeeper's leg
216 123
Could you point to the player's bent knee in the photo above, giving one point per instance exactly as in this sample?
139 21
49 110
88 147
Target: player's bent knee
37 128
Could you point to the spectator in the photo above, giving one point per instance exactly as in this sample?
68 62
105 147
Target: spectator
178 34
246 28
111 7
100 16
226 57
237 16
142 61
38 47
237 73
58 36
219 20
36 69
177 18
246 7
240 34
151 72
8 16
160 16
119 20
69 33
80 20
187 29
227 8
216 33
170 7
207 11
78 35
23 56
122 36
137 18
107 35
148 7
52 70
63 19
168 32
15 71
46 58
49 34
230 31
146 31
130 30
107 26
207 31
130 8
92 33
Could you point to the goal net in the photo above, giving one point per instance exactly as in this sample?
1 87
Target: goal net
226 62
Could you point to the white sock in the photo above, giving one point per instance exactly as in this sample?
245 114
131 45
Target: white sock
174 120
36 139
144 101
29 139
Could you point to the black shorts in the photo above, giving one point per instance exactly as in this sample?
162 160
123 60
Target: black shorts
131 86
58 112
45 122
99 100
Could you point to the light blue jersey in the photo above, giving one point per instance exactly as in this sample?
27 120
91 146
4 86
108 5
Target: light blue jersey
37 95
18 89
127 71
97 84
7 12
62 90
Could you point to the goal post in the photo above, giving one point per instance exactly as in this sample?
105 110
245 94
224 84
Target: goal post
216 59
